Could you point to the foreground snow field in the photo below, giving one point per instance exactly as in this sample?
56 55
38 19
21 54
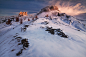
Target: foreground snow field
41 42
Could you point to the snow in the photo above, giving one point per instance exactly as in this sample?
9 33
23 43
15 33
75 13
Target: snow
42 43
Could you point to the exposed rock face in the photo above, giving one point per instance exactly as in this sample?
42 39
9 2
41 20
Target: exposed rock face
8 22
48 8
20 52
17 19
22 13
56 31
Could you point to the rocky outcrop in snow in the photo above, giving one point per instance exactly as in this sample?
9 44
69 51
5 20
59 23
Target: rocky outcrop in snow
48 8
56 31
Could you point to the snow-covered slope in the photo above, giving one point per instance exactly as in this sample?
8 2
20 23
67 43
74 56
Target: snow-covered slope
46 37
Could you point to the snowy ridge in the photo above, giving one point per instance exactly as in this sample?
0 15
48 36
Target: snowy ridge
74 22
67 19
43 43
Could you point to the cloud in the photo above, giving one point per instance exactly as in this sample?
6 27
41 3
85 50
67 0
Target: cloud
68 7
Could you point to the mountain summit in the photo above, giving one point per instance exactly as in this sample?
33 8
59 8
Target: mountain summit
48 8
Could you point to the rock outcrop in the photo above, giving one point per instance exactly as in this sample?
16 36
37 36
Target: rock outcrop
48 8
23 14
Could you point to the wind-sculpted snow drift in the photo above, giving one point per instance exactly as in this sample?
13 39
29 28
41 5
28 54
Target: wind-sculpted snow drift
52 34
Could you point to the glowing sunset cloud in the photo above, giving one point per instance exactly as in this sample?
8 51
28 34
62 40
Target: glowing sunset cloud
69 9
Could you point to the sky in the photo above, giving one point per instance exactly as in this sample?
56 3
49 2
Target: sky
13 7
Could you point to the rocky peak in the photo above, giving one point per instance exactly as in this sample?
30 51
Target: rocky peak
48 8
